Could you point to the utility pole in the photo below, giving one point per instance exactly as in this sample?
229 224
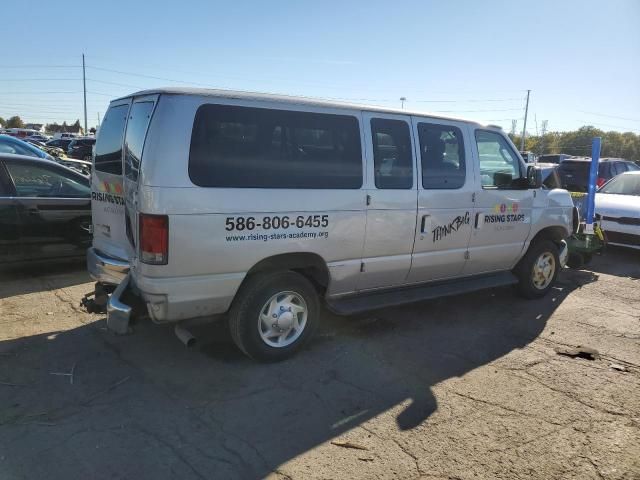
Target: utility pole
84 89
543 131
98 126
402 100
524 128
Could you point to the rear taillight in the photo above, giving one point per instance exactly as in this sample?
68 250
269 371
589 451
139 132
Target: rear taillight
154 239
601 181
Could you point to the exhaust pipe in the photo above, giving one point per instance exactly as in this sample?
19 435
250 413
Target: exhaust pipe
184 336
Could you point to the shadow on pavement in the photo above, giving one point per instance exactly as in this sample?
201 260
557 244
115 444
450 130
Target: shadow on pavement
142 406
619 261
33 277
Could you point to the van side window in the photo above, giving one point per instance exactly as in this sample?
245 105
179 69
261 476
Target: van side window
242 147
500 166
393 162
139 118
442 156
109 142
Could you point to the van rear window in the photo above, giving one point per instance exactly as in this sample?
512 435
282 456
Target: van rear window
109 142
242 147
139 118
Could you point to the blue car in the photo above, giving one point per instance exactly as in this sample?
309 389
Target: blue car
9 144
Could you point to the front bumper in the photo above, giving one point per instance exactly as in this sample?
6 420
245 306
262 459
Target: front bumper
105 269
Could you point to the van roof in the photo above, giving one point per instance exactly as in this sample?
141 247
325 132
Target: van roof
290 99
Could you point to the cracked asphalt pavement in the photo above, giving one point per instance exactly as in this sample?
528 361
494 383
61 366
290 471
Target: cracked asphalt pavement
467 387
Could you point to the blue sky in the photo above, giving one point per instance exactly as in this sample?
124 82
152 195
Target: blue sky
472 59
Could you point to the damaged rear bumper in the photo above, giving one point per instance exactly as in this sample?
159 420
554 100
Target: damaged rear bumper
118 312
105 269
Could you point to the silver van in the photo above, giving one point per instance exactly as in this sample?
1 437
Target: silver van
263 207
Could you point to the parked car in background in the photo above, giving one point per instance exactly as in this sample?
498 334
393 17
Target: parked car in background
528 157
618 204
16 146
21 132
53 151
553 158
60 156
81 148
550 175
81 166
574 173
62 143
38 138
45 210
70 136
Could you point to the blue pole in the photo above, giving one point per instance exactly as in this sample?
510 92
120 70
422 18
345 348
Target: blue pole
593 176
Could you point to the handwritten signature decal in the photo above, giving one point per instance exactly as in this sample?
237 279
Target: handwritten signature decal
443 231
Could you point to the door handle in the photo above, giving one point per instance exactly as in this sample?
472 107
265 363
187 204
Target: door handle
33 211
425 225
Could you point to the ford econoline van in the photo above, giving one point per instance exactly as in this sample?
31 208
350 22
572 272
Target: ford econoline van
264 207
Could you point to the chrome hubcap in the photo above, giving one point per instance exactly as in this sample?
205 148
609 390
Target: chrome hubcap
543 270
282 319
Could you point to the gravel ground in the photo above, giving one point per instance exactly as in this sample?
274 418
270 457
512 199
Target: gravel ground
468 387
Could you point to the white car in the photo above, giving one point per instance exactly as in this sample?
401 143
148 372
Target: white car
618 202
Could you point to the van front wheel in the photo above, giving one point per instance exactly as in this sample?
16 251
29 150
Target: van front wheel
538 269
274 315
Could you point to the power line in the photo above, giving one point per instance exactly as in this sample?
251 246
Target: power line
39 66
474 111
38 93
37 79
152 77
114 83
610 116
469 101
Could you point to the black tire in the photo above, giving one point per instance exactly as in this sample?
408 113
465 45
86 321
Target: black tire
525 269
245 312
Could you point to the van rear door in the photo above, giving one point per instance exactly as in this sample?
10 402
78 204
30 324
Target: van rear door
137 124
107 189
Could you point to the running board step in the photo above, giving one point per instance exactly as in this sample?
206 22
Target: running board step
390 298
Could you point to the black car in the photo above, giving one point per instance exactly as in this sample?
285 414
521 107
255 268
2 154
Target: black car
550 176
574 172
553 158
45 210
62 143
80 148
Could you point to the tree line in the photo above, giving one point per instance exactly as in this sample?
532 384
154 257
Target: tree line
17 122
614 144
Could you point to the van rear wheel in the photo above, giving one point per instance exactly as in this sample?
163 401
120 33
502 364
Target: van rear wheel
274 315
538 269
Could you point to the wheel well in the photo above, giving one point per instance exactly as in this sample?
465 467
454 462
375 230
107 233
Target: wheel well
555 234
310 265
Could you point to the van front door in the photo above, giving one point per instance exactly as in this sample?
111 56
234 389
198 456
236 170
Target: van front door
391 201
445 200
503 207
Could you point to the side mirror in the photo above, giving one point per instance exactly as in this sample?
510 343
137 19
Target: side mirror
534 177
